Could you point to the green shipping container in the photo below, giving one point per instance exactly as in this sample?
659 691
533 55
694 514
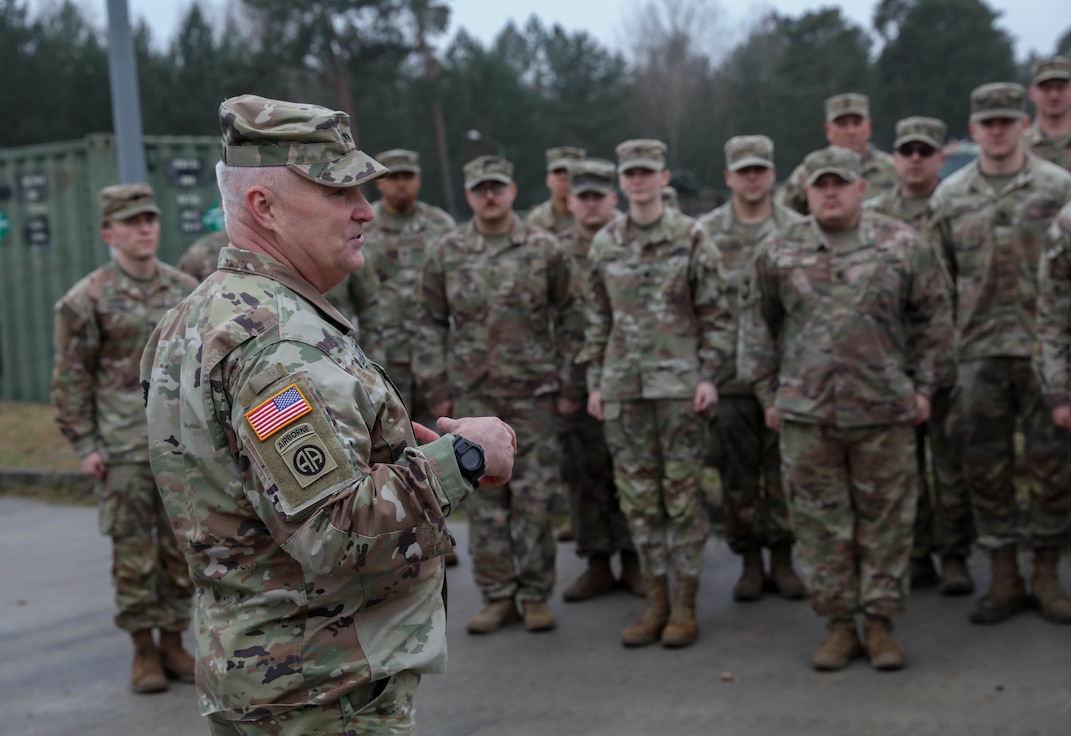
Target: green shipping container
50 233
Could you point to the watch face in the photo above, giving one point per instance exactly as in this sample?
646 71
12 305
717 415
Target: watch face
471 459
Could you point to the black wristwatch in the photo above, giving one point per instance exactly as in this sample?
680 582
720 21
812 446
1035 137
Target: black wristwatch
469 459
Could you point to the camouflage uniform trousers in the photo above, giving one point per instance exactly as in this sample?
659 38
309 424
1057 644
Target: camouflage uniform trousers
657 446
851 495
756 512
152 583
991 393
943 522
383 708
588 474
511 537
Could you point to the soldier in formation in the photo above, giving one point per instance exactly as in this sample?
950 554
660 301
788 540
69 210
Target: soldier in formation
847 125
1049 137
499 327
943 522
102 325
756 513
311 511
659 337
587 469
990 218
829 305
554 214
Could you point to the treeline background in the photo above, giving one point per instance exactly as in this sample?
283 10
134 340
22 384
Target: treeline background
389 64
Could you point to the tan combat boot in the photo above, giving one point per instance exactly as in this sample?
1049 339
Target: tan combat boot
839 648
1007 591
631 576
493 617
884 651
649 628
537 616
146 674
597 580
1045 585
955 576
176 661
752 577
565 531
784 577
682 629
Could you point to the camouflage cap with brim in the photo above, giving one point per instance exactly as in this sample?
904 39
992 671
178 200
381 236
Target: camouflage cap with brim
998 100
312 141
1054 67
842 162
400 160
641 153
123 201
563 156
930 131
848 103
742 151
487 168
591 175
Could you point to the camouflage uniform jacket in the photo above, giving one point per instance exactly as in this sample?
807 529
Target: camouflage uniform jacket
500 323
879 172
202 257
991 243
311 521
1052 352
737 249
544 216
828 330
102 325
1053 150
383 293
893 204
658 315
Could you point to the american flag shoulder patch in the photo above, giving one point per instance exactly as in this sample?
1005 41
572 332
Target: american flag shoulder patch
278 411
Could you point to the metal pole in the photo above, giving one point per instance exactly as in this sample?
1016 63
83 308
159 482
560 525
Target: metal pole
126 103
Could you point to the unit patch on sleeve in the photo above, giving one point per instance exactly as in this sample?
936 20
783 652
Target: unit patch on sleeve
277 412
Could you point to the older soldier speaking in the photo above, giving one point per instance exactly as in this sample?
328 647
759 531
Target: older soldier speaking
311 517
829 304
990 217
756 514
102 325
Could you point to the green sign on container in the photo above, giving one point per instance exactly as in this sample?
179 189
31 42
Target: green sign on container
5 225
213 218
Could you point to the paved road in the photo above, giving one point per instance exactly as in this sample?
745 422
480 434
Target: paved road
64 666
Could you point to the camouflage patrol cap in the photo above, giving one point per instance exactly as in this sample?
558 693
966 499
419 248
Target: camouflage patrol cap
843 162
930 131
641 153
998 100
312 141
123 201
1054 67
742 151
563 156
488 168
591 175
849 103
400 160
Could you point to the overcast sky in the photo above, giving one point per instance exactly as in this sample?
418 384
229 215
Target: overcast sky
1035 25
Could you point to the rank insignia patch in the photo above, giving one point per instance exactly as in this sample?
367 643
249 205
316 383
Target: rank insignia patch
278 411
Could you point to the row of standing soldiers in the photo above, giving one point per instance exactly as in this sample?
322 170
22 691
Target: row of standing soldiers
820 365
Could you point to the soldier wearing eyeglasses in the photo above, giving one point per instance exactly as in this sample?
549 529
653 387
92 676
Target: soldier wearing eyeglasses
499 326
943 514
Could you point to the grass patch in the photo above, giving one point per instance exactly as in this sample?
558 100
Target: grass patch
29 438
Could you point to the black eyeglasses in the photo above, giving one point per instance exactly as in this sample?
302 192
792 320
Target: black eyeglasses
494 187
910 149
